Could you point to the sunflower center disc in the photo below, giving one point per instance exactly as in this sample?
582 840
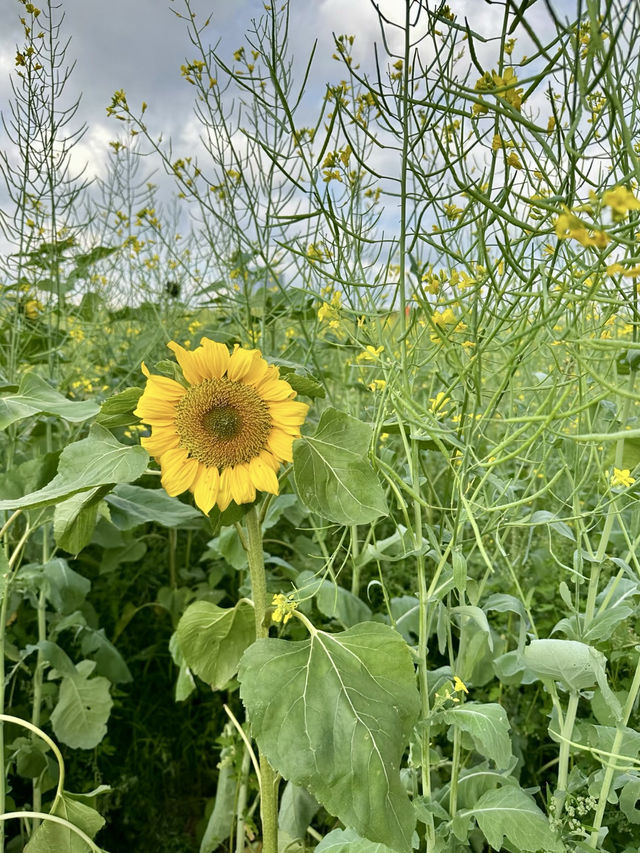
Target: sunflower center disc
223 423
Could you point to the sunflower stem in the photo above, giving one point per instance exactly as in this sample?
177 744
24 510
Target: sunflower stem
268 780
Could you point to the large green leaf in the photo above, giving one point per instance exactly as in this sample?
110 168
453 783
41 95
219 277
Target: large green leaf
66 589
333 601
510 812
488 726
80 716
576 665
297 808
222 818
37 397
348 841
334 714
74 519
333 476
53 838
117 411
212 639
97 460
131 506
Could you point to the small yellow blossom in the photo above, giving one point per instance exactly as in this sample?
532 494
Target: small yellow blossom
378 385
622 477
458 685
369 354
452 212
284 607
568 226
438 403
621 201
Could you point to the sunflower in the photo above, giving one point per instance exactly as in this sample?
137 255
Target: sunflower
224 434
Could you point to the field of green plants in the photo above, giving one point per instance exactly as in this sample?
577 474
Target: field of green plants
319 493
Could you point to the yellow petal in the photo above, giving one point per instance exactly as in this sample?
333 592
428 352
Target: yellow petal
164 388
280 444
160 440
288 413
271 374
269 459
214 358
263 476
205 490
242 489
224 491
153 410
178 472
241 363
188 362
277 389
257 372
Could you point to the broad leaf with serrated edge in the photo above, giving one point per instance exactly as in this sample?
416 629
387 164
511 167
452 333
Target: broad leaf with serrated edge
97 460
510 812
212 639
488 726
348 841
333 476
52 837
334 714
80 716
35 397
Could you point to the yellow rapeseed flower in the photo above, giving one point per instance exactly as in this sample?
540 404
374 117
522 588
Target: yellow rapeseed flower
458 685
224 435
621 201
622 477
568 226
284 607
369 354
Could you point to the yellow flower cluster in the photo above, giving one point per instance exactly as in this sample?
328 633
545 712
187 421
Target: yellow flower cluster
621 201
569 227
622 477
284 607
504 86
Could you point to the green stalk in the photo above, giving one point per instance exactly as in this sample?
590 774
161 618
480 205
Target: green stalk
37 692
268 780
5 587
566 733
173 538
241 808
611 764
355 553
455 771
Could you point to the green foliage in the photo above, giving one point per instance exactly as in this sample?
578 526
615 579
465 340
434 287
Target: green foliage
213 639
94 461
350 698
446 591
333 476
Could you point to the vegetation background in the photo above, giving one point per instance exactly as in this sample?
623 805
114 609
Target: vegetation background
439 247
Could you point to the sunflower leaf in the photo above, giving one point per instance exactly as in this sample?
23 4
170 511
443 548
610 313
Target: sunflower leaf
97 460
37 397
212 639
52 836
333 476
117 411
348 703
80 717
510 812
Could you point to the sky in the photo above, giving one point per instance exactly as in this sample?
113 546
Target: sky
139 46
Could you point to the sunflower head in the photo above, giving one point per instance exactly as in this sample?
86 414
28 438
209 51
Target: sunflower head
223 436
